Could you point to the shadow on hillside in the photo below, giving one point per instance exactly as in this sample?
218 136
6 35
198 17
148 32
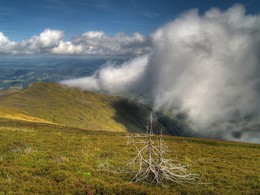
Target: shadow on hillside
135 116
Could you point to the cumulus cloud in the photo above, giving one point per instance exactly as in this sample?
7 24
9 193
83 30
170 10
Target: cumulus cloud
206 66
5 44
90 43
121 44
47 40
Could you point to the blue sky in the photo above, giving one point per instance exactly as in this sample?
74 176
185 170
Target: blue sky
21 19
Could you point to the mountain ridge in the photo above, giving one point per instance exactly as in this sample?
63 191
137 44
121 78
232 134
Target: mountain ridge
53 103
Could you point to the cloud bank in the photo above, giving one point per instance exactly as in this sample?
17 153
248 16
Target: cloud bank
90 43
205 66
211 68
114 78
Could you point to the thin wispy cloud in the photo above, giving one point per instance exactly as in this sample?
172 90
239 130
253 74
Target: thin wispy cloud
150 14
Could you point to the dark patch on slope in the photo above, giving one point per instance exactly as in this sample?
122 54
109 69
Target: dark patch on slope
132 114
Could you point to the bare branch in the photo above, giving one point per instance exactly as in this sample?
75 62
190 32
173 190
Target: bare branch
152 166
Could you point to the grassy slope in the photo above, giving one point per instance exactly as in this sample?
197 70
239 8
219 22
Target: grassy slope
41 158
46 147
54 103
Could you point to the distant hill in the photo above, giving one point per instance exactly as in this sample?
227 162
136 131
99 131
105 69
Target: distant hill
53 103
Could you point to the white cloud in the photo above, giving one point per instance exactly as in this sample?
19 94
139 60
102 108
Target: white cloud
121 44
90 43
49 38
210 71
206 66
42 43
113 78
94 35
68 48
5 44
3 38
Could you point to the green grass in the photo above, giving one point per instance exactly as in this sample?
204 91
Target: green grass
40 158
52 141
54 103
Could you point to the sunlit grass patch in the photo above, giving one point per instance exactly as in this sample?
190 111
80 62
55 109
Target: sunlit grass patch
23 117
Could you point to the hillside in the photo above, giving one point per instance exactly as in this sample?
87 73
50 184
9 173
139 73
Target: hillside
56 104
41 158
54 139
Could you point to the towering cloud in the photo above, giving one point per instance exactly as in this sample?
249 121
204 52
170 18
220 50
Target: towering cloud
206 66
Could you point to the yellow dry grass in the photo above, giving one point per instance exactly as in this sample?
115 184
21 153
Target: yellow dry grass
23 117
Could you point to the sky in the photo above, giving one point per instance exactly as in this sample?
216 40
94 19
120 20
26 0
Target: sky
22 19
198 59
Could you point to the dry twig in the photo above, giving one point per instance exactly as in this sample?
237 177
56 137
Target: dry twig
150 164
